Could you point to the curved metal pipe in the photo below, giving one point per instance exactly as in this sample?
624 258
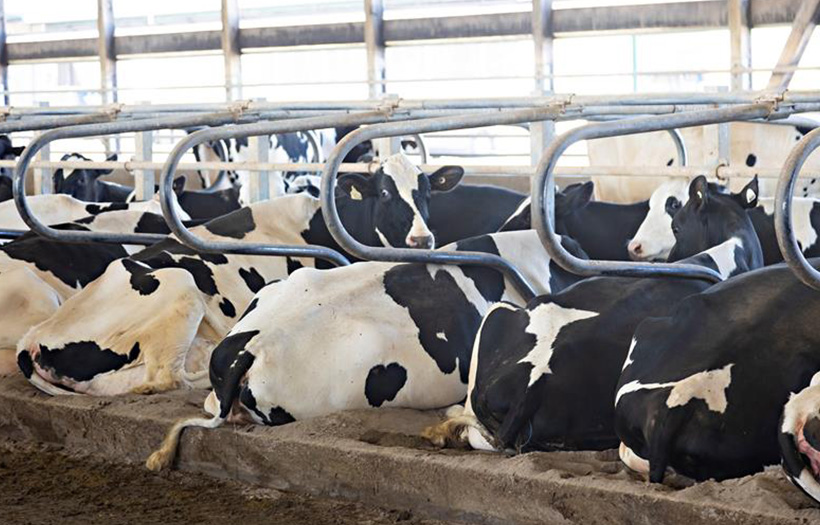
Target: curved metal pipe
395 129
680 146
90 130
784 230
543 197
168 198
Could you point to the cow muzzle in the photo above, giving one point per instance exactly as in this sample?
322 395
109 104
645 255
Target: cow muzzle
425 242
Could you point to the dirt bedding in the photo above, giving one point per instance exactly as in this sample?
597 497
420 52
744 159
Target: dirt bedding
45 485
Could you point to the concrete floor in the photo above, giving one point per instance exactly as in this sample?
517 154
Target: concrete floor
376 457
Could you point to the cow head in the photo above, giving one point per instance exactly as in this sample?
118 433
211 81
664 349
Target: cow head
571 199
398 195
80 183
654 239
711 217
799 439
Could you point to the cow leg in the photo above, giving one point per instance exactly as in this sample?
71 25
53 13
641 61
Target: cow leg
166 348
632 460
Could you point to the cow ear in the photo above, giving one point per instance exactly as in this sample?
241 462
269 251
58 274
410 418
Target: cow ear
58 179
357 186
445 178
698 191
179 185
747 197
17 150
100 173
410 144
577 196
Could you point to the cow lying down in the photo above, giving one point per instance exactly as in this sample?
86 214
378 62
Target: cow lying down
544 377
158 314
38 274
396 335
703 389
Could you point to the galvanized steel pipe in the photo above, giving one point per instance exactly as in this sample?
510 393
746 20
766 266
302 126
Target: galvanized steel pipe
395 129
783 225
544 193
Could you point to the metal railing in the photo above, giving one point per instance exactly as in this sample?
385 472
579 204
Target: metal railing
784 228
543 203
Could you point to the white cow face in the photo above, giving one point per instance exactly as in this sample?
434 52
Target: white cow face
654 239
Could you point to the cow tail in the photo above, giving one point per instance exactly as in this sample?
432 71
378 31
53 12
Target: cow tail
661 440
164 455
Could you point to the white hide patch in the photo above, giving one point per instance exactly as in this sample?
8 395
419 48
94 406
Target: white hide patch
628 361
724 256
655 232
383 239
800 406
405 174
801 219
709 386
546 321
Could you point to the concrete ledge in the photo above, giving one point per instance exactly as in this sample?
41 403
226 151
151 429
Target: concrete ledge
376 457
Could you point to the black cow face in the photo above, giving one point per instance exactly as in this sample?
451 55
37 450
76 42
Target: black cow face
82 183
399 195
711 217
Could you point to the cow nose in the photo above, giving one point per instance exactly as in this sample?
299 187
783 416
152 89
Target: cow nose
635 248
425 242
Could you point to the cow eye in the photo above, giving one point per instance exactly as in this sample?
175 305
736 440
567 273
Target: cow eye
675 229
385 194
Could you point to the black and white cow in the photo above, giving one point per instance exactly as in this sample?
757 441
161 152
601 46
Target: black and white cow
7 152
37 274
702 390
166 307
544 377
654 239
396 335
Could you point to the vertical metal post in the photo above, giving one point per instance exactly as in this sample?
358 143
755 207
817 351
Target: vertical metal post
741 44
542 133
107 52
802 28
4 56
43 179
144 180
374 41
259 183
230 50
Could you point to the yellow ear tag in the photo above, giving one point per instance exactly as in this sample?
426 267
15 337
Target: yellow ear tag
750 195
354 194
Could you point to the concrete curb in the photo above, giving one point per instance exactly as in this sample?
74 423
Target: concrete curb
374 457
